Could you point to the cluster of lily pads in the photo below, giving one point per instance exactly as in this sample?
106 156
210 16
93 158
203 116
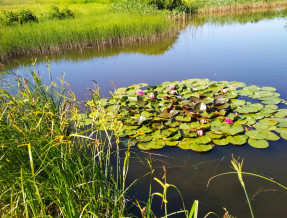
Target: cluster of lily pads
196 114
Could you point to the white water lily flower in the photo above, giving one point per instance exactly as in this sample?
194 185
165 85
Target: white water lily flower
202 107
141 119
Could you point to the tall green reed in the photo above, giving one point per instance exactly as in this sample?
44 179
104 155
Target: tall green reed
50 165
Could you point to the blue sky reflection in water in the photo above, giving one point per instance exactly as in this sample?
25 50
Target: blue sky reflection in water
254 53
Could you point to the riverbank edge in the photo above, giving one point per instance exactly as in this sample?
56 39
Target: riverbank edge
171 31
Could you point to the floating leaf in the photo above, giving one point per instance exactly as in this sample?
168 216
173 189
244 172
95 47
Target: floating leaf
183 118
256 134
221 142
203 139
271 136
200 148
237 140
154 144
258 143
271 89
271 100
171 143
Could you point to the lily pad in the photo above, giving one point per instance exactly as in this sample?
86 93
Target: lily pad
258 143
237 140
256 134
221 142
200 148
154 144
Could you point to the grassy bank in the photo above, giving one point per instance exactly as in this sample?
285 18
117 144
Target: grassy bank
94 24
98 22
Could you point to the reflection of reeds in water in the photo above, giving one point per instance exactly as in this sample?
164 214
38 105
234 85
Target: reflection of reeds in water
149 45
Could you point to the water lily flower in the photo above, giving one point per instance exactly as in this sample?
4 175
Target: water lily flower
173 92
228 121
200 132
151 95
203 121
171 87
224 91
141 119
140 92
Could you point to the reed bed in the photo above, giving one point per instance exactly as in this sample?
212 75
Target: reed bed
56 35
253 7
96 25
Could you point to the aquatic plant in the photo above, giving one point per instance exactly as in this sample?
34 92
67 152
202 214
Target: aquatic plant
237 166
196 114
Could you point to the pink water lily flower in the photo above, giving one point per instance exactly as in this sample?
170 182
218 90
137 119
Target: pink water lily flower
228 121
140 92
224 91
200 132
202 121
171 87
151 95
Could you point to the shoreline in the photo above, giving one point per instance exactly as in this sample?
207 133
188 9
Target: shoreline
169 32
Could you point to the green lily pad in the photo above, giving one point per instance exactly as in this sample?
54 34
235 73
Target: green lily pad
203 139
154 144
200 148
256 134
258 143
171 143
270 100
183 118
237 140
144 138
271 136
271 89
221 142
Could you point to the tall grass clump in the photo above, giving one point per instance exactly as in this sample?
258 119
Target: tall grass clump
49 164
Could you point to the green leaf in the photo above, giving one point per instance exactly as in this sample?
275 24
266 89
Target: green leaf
258 143
237 140
154 144
221 142
256 134
200 148
183 118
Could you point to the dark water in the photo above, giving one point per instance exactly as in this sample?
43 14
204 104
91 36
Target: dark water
245 48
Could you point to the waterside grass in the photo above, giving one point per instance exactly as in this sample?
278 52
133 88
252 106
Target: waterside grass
96 25
101 30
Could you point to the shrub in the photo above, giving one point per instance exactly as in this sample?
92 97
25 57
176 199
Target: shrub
56 13
25 16
19 17
177 6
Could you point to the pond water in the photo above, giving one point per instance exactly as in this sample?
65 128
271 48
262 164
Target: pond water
245 48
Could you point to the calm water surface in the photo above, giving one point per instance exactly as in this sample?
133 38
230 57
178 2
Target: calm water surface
250 52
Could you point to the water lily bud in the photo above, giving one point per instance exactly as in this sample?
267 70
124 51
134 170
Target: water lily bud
224 91
151 95
202 121
200 132
171 87
140 92
228 121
